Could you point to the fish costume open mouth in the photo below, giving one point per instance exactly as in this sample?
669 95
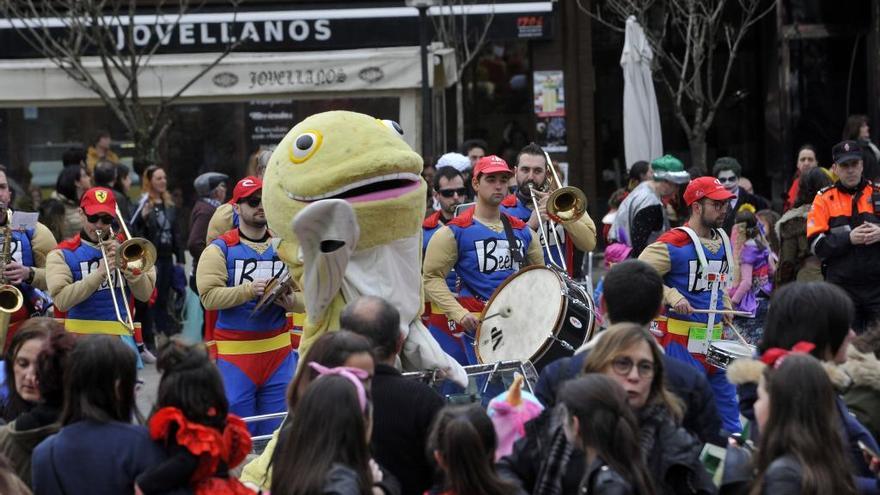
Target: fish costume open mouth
345 200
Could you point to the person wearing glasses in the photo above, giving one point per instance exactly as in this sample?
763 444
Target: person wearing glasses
77 273
484 246
531 169
695 262
728 171
254 353
449 192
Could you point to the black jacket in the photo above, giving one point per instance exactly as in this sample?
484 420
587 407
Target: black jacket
673 461
701 416
403 410
602 480
151 229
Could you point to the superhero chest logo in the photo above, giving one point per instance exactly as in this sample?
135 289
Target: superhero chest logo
87 267
248 270
494 255
699 281
14 249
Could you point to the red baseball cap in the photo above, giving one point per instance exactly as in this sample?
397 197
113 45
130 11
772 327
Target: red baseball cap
245 187
491 164
98 200
706 187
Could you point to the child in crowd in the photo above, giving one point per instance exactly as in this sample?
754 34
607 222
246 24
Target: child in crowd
600 422
463 443
192 423
801 449
325 449
754 281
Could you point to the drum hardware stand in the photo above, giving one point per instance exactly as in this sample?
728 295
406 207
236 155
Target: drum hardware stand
565 345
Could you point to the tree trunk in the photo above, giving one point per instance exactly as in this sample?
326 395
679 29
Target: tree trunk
459 113
697 143
146 152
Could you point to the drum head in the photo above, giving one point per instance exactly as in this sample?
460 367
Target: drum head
526 309
731 348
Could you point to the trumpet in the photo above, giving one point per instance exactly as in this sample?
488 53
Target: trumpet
135 254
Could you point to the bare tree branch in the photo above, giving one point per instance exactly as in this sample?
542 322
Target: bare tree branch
685 42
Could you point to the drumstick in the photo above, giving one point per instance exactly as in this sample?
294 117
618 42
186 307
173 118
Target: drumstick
722 312
739 335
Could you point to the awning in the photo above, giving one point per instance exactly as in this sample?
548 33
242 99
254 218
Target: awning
32 82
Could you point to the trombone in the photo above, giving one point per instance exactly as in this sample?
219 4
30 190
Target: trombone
566 203
135 253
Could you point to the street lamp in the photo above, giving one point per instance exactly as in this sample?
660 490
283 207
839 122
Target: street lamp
427 107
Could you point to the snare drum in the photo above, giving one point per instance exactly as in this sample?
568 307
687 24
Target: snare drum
539 315
723 352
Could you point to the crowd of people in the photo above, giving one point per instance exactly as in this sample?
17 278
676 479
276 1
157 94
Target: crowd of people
651 404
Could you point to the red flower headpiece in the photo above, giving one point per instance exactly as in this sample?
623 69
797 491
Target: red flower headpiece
774 356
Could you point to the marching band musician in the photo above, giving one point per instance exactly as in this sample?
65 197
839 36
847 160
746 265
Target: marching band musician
76 273
254 353
531 168
477 244
696 280
449 192
26 266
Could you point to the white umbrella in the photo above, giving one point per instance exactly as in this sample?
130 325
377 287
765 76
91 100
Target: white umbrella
642 139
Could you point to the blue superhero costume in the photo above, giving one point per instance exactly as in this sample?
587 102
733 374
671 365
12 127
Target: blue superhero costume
513 206
692 276
96 314
254 354
21 250
435 320
484 262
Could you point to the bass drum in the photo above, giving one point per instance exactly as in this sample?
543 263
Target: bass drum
539 315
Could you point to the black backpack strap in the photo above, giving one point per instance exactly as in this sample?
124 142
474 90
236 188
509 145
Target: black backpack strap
512 242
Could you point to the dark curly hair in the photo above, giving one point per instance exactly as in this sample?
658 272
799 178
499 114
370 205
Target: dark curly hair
191 382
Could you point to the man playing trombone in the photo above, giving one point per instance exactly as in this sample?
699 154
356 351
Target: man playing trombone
579 231
83 273
485 246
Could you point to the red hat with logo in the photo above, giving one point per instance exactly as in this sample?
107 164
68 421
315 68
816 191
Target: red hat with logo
491 164
98 200
706 187
245 187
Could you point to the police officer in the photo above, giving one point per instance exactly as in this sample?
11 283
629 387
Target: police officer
484 252
254 353
843 230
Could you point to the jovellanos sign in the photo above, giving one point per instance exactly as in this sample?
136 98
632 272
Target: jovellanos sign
295 30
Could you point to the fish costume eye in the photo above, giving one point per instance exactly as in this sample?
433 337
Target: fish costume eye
394 126
304 146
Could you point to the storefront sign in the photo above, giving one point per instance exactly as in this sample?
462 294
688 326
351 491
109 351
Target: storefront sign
238 74
296 30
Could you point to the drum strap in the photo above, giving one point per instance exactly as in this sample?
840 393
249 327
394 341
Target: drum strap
512 243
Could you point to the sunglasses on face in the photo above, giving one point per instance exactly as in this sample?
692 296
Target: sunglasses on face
727 179
718 205
105 219
448 193
252 201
